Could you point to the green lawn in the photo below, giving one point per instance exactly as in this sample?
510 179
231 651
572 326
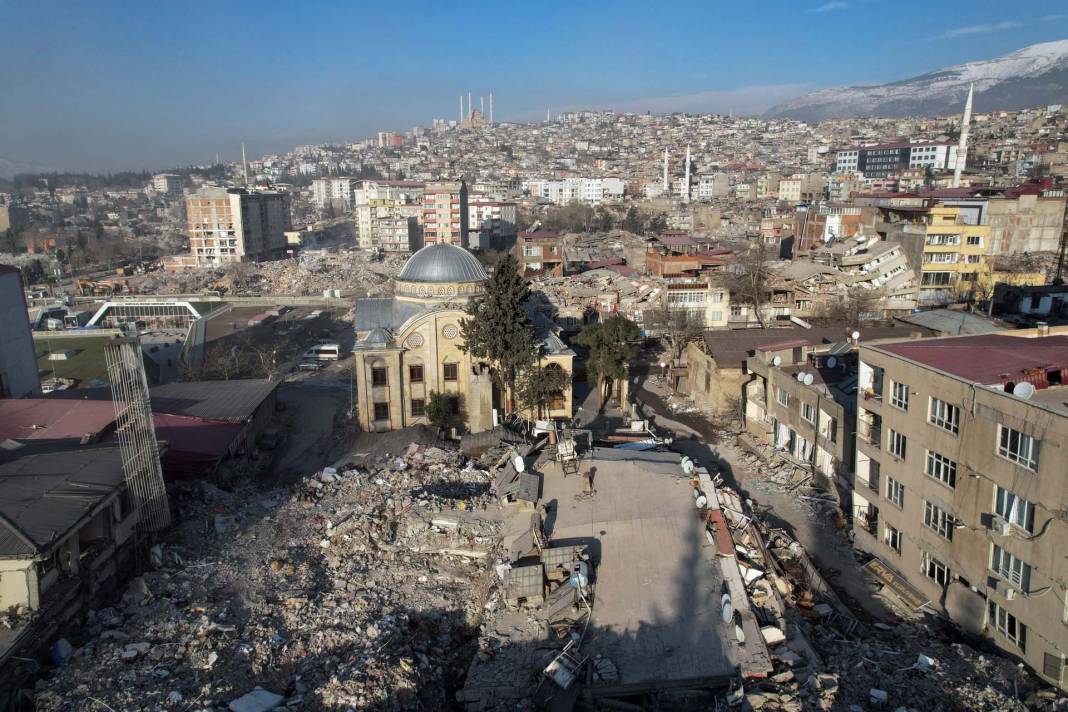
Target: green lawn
84 366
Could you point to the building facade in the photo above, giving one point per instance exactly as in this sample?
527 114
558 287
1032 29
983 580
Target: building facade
410 346
445 213
168 185
237 224
336 193
18 358
961 482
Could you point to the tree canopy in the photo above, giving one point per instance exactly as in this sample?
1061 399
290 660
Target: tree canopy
611 346
497 328
539 385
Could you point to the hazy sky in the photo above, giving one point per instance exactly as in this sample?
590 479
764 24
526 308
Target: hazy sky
105 85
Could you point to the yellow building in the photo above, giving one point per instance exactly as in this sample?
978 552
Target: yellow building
954 257
409 346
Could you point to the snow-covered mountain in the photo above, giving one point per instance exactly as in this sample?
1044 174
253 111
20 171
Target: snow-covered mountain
1032 76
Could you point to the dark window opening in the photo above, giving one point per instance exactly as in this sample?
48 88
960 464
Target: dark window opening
415 373
378 376
418 407
451 371
381 411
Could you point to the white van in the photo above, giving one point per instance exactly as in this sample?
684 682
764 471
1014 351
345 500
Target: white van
324 351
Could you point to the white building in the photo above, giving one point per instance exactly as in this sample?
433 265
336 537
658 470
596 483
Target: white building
168 184
337 192
488 220
713 185
388 214
591 191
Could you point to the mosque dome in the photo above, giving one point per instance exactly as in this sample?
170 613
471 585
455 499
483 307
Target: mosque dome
442 263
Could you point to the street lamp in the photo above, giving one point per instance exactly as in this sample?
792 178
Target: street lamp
663 370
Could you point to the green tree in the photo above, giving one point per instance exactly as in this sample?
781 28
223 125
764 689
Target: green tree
611 345
497 329
633 221
540 385
443 410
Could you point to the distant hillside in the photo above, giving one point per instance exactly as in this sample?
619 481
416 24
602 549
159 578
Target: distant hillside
1032 76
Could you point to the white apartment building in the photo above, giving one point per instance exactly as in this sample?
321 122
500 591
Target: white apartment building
591 191
489 220
237 224
388 214
713 185
168 184
337 192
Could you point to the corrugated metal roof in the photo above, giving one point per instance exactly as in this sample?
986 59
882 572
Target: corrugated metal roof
951 322
234 400
39 418
46 489
988 359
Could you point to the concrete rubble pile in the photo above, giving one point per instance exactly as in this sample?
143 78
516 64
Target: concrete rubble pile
360 587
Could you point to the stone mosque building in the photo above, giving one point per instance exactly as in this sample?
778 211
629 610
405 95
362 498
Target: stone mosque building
408 346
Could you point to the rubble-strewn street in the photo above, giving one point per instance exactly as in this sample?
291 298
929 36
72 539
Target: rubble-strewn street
359 588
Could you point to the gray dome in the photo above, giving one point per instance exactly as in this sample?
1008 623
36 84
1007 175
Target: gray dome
442 263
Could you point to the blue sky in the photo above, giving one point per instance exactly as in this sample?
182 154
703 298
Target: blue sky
107 85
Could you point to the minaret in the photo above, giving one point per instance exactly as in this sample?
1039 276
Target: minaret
686 183
461 109
482 106
469 109
547 114
244 162
491 109
962 147
667 184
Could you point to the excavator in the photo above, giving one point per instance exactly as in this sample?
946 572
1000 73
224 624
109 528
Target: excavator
101 288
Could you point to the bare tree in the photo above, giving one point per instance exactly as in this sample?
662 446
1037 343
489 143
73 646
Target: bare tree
748 277
674 325
853 308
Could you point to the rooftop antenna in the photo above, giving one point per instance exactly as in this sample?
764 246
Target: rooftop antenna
244 162
962 147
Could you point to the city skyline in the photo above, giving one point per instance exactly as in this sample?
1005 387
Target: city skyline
114 87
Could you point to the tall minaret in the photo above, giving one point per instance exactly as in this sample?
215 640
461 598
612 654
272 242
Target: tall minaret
482 106
244 162
667 184
686 180
461 109
470 110
491 109
962 147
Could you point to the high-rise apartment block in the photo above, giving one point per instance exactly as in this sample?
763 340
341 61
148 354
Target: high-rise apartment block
445 213
387 215
336 193
168 185
237 224
888 159
961 488
490 221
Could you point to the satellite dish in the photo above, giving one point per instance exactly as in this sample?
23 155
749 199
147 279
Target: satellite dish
808 379
800 377
831 362
517 461
1023 389
726 608
687 465
776 361
856 334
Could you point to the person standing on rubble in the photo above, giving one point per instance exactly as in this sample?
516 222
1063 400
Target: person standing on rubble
590 473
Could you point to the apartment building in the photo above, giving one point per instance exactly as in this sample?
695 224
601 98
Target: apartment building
890 159
708 302
800 400
540 252
336 193
388 215
490 221
237 224
713 185
168 185
445 213
591 191
802 187
961 486
815 225
954 256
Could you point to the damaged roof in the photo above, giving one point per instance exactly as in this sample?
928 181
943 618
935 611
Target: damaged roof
46 489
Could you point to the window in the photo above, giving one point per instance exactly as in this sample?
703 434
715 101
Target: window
944 415
975 240
974 259
1005 623
832 429
531 250
938 519
892 538
736 310
782 396
934 569
415 373
897 444
895 491
381 411
1015 509
941 468
451 371
1010 568
943 239
899 395
418 407
808 412
1021 449
378 376
873 475
717 297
